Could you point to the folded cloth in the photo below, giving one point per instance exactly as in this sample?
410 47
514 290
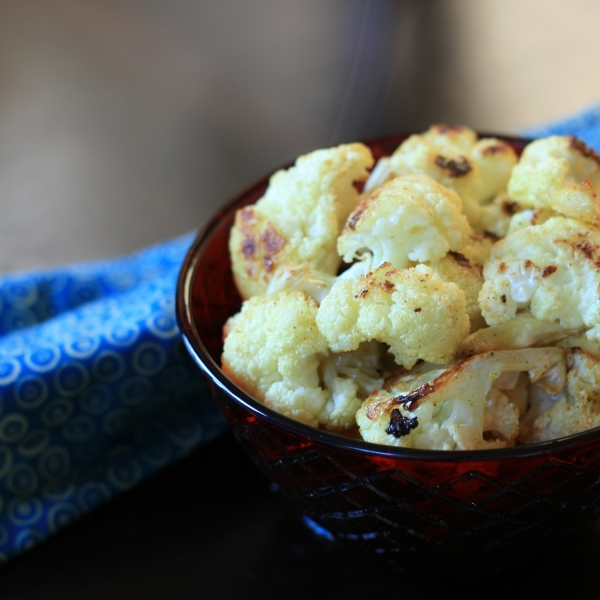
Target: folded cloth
97 390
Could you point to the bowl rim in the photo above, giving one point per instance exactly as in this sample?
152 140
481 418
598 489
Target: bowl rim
193 341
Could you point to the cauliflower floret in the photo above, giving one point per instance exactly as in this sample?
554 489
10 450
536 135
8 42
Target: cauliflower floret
476 170
412 310
410 218
466 406
299 217
274 351
559 173
528 217
578 340
496 217
457 268
479 248
550 269
522 331
574 410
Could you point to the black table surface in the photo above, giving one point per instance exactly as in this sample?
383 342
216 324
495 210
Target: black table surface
212 526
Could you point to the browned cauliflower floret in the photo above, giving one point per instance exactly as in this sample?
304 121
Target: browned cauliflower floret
479 247
274 351
573 410
412 310
299 218
550 269
476 170
471 405
410 218
559 173
457 268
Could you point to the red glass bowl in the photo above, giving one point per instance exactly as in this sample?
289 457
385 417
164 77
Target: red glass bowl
390 500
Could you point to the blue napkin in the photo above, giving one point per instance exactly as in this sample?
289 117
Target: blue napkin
585 125
96 388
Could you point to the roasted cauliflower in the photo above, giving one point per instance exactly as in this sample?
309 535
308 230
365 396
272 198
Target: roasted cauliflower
457 268
454 304
299 218
414 311
559 173
550 270
274 351
573 409
478 170
410 218
468 406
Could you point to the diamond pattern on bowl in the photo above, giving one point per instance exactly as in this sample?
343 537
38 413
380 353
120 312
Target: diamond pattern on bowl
473 509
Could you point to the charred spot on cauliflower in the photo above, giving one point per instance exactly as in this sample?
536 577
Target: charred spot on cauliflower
400 425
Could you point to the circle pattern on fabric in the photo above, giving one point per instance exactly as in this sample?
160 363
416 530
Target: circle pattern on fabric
83 347
71 378
54 463
22 480
95 400
92 494
135 390
123 337
56 412
149 359
58 490
22 294
6 460
42 360
108 366
124 472
34 442
9 370
162 326
28 538
116 421
79 429
61 514
94 382
24 511
13 427
31 391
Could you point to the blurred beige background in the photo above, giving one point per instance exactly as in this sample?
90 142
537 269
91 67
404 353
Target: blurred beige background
125 122
519 63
